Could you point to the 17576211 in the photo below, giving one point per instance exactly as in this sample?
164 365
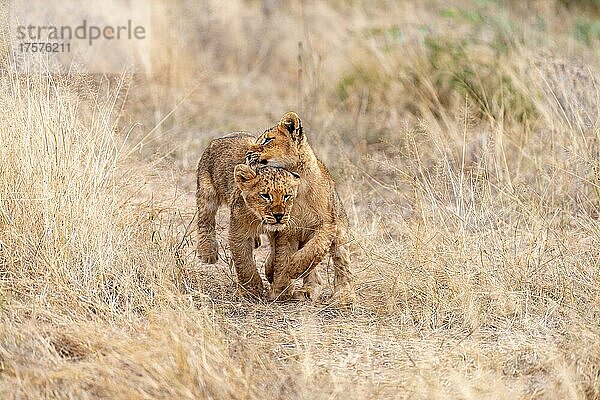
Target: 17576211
44 47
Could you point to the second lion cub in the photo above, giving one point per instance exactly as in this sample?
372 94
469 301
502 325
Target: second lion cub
319 222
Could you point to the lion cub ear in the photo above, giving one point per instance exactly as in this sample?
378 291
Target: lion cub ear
290 123
244 176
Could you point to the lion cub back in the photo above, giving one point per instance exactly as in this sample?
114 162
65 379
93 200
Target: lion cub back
219 160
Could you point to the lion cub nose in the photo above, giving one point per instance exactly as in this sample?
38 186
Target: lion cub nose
278 216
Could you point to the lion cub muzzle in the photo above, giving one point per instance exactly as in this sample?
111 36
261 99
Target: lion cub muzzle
276 221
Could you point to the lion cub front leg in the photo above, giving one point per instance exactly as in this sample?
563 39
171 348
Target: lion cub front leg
312 283
282 248
311 254
207 202
242 245
270 262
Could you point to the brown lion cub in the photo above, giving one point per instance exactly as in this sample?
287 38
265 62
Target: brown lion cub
260 200
319 223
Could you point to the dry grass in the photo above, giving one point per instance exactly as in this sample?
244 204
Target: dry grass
465 140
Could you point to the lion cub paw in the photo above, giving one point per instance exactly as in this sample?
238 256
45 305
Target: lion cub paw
250 292
344 295
312 292
279 295
208 252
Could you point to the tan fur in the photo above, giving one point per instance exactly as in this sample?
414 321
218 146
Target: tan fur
260 200
318 221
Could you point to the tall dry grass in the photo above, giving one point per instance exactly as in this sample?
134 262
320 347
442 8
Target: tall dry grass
88 283
464 137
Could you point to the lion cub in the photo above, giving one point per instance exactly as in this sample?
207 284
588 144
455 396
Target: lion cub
320 223
260 200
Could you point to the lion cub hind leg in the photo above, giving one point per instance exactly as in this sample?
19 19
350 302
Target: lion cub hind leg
207 202
342 282
341 264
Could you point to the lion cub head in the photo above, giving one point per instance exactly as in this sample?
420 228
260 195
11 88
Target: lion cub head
278 146
268 192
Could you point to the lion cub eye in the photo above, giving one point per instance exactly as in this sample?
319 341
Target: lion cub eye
266 141
266 196
286 197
